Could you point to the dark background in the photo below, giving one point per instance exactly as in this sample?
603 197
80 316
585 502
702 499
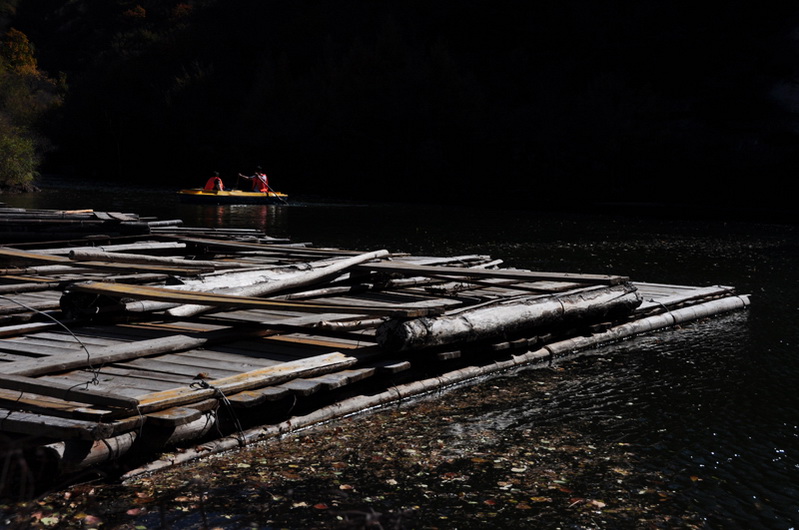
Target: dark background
546 104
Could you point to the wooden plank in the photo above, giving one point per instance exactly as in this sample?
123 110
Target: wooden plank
231 357
136 246
53 426
463 272
34 350
115 353
302 387
9 357
162 380
70 338
185 370
109 383
35 340
173 416
343 378
286 250
163 294
34 256
391 366
15 330
38 404
66 392
121 257
192 365
258 396
272 375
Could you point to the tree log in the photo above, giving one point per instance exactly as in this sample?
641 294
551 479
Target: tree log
507 319
287 282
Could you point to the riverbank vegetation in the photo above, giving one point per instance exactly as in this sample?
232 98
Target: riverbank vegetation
414 100
27 95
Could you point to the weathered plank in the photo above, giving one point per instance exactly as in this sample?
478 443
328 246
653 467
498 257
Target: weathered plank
34 256
110 354
272 375
67 392
258 396
464 272
54 427
208 300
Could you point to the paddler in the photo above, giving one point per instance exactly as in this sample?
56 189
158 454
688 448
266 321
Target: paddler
260 182
214 183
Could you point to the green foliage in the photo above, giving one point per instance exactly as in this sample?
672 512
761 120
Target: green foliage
16 52
18 159
26 97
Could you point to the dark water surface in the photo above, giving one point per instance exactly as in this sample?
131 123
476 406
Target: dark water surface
713 407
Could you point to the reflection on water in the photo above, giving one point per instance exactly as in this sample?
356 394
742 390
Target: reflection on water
715 399
270 219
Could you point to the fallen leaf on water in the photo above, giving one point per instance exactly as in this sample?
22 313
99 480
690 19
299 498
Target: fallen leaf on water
92 520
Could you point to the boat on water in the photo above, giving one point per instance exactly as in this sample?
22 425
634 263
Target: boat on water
203 196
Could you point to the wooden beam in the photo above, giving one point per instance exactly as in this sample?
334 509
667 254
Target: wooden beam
34 256
192 298
464 272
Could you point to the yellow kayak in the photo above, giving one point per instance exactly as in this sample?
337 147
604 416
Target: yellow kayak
202 196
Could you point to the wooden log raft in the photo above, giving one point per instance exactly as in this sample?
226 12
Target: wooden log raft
507 318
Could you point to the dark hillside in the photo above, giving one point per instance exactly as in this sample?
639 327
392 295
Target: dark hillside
445 100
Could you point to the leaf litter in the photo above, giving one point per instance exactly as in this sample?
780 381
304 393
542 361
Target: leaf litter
399 467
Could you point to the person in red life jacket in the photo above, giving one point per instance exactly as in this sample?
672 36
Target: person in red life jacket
260 182
214 183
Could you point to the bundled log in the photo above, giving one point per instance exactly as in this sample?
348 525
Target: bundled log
508 319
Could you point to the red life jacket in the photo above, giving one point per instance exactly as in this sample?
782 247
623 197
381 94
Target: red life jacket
260 182
214 183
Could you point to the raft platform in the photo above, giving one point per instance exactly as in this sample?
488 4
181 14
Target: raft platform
119 346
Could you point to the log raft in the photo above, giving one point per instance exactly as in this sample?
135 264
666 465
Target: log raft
124 344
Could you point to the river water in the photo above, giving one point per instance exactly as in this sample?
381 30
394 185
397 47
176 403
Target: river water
713 407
